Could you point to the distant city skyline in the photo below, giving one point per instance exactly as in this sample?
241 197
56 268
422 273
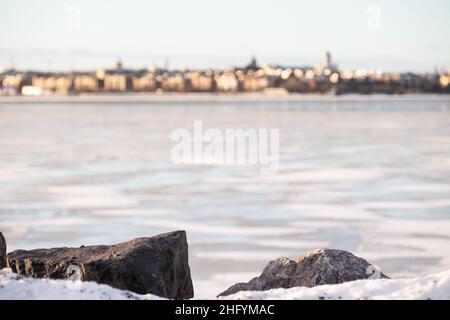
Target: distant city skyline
78 35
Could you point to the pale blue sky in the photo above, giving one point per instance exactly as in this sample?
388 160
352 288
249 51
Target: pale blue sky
413 35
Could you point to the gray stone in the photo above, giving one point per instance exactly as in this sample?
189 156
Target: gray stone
319 267
2 251
156 265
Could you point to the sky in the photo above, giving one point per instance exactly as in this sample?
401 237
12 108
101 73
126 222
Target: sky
60 35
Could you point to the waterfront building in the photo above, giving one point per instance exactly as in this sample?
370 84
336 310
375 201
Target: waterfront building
85 82
52 82
172 82
226 82
143 82
11 82
254 81
197 81
444 81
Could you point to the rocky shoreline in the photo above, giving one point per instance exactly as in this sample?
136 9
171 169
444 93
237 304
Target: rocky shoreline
152 267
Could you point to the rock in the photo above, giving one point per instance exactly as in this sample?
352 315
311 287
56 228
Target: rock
2 251
319 267
156 265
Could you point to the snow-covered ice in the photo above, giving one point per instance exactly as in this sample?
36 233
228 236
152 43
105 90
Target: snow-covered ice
435 287
14 287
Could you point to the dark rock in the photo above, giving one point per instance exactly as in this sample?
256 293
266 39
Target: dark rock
319 267
2 251
156 265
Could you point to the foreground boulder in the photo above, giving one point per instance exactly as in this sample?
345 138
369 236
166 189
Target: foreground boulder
319 267
156 265
2 251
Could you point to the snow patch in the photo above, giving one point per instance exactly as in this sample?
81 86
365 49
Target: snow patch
15 287
373 272
434 287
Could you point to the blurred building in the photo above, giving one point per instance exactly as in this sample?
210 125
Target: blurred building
85 82
10 82
226 81
323 78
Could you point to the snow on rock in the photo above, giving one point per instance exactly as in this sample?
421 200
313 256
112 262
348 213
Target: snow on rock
434 287
13 286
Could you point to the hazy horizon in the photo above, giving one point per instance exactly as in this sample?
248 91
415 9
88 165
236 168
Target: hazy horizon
77 35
